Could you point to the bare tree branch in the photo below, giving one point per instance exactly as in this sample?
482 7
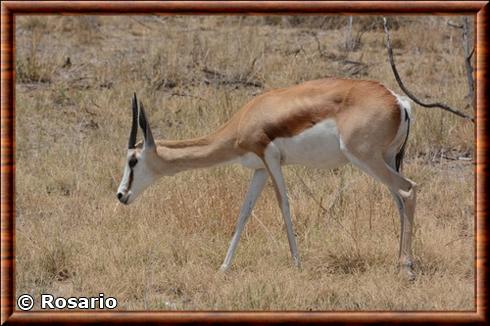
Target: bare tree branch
465 27
471 53
468 54
327 210
407 92
450 23
187 95
349 42
319 45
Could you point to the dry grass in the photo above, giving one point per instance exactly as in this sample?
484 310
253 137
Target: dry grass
75 76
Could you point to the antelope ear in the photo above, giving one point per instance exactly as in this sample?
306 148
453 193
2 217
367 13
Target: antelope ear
145 127
134 126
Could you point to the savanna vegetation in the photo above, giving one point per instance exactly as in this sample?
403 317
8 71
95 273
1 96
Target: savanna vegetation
75 76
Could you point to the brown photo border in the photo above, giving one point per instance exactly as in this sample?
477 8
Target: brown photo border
9 9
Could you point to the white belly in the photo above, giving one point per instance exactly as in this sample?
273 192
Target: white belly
317 147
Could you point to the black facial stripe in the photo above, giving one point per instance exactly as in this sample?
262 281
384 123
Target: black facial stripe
132 162
130 181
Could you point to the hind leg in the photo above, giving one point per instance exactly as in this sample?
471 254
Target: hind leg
403 191
406 219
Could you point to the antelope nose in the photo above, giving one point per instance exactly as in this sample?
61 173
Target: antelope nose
119 195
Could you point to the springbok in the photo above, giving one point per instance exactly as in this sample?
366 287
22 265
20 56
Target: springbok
323 123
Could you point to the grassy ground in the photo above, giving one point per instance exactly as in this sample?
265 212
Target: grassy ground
75 78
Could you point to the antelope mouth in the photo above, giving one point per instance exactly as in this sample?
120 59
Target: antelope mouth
124 199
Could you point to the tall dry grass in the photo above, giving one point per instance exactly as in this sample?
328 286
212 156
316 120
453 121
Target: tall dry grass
75 77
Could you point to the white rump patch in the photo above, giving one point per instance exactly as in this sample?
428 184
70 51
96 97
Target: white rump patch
404 105
403 102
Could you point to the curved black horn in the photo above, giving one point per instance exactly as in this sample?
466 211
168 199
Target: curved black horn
134 126
145 126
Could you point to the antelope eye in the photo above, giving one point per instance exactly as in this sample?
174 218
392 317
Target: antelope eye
132 162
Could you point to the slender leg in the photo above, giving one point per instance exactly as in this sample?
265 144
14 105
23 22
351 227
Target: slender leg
407 228
403 191
272 162
401 209
258 181
406 224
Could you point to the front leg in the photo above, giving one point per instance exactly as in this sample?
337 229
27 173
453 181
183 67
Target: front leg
256 186
272 160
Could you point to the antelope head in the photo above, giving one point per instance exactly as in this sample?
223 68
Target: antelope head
141 168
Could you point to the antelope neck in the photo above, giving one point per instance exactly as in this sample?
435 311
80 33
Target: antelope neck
196 153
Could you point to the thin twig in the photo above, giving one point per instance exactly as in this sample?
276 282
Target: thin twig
407 92
267 231
349 44
471 53
187 95
323 208
468 53
319 45
95 104
451 24
458 239
219 78
141 23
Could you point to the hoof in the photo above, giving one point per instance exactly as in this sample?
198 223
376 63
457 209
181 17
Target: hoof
410 275
224 268
297 263
408 272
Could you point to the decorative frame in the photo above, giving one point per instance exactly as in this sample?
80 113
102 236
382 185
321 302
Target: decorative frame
9 9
